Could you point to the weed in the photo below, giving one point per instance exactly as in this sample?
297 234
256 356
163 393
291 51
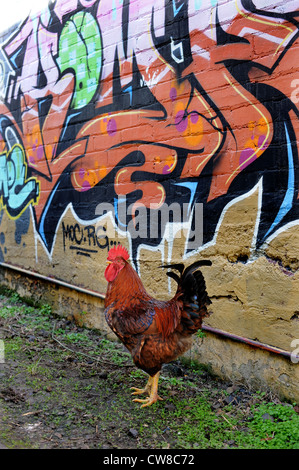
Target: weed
15 298
138 374
46 310
275 426
77 338
7 312
201 334
13 346
33 368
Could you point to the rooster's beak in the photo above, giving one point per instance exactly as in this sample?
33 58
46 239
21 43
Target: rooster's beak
108 262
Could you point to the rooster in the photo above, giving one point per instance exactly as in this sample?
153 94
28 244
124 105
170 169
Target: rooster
155 332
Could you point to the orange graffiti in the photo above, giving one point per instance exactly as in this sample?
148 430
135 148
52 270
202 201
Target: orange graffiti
174 120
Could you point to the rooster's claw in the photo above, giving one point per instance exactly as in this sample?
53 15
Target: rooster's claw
139 391
148 401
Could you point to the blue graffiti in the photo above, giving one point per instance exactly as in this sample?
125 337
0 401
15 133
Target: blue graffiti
16 191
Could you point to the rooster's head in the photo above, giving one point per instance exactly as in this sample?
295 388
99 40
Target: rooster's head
117 259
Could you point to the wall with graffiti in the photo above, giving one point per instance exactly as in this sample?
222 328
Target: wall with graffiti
113 108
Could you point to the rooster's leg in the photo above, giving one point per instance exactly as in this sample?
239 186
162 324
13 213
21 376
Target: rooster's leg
146 389
153 397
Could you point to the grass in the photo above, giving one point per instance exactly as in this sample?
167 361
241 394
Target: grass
74 385
280 429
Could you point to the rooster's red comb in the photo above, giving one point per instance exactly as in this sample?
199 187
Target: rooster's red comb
117 251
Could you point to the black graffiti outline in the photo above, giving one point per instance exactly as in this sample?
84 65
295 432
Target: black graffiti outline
260 170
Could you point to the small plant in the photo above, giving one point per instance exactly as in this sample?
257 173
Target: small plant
46 310
77 338
276 426
15 298
201 334
6 312
34 367
137 374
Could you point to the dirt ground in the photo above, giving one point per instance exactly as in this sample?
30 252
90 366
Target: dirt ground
62 386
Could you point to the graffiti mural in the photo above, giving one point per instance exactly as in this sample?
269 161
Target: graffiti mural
158 102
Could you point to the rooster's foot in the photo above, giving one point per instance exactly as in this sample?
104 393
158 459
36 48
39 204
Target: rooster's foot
148 401
146 389
140 391
151 389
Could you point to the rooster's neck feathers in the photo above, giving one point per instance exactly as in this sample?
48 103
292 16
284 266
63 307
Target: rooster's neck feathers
127 285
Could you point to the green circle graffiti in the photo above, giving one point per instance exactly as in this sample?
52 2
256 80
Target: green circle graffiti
80 49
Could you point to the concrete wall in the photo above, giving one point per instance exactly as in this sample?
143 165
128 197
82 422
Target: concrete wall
111 111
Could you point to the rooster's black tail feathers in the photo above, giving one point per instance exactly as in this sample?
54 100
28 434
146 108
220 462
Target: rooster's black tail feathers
192 291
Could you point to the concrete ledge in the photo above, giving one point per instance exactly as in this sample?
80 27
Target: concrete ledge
258 369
